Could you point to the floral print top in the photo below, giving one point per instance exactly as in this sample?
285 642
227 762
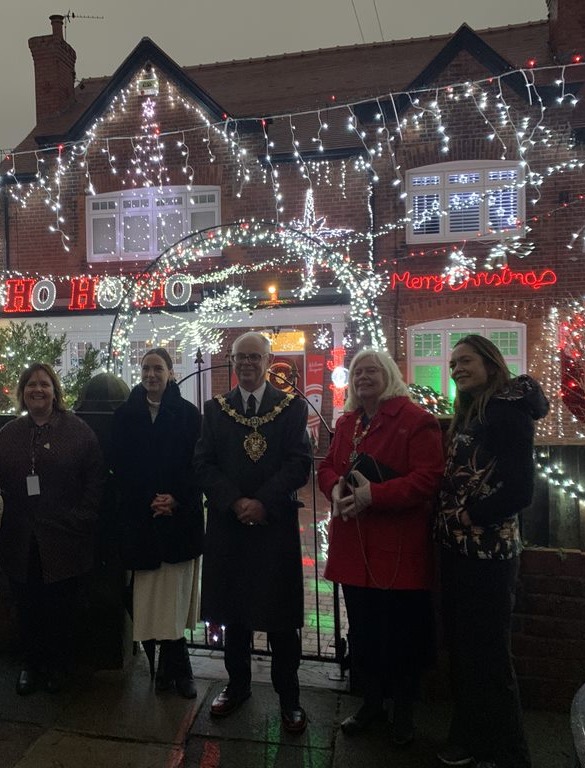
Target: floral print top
490 474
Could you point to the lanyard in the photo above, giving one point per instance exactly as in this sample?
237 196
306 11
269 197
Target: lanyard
38 433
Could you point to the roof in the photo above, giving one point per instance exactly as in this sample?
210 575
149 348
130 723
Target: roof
307 80
294 82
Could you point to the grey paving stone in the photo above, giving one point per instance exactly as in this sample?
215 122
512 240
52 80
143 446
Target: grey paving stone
229 754
258 719
40 708
124 705
56 749
15 740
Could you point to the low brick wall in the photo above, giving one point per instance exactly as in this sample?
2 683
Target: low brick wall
549 627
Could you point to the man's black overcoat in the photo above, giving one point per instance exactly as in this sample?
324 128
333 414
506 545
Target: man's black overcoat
253 574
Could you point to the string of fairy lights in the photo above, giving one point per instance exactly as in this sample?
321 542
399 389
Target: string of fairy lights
293 246
517 135
142 159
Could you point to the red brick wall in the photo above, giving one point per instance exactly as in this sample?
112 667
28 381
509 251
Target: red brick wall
549 627
341 196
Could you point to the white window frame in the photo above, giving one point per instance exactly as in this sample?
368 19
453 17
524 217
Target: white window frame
146 202
483 326
443 181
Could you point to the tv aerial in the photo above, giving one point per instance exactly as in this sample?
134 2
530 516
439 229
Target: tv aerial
71 16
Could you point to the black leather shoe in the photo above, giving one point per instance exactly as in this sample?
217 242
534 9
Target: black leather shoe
362 719
27 682
294 720
228 701
183 673
402 733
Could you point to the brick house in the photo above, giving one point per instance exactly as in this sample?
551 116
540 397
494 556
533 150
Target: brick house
355 194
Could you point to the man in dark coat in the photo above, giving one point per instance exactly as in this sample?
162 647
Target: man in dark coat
252 457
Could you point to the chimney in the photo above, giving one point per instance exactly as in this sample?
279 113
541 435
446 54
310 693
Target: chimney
54 61
566 24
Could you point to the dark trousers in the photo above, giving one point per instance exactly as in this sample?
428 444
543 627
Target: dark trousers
477 601
45 616
391 639
285 661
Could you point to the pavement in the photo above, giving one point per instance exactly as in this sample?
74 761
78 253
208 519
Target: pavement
113 719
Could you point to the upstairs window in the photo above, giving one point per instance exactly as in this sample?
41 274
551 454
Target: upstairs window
139 224
465 200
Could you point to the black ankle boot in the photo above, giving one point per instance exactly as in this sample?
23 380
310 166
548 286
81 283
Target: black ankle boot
183 674
403 723
361 720
164 672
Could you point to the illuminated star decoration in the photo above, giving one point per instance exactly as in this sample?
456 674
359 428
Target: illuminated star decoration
203 332
316 230
322 338
459 269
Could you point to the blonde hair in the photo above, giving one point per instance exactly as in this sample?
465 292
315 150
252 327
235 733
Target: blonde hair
395 385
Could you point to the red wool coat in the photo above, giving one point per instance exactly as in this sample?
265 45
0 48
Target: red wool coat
388 545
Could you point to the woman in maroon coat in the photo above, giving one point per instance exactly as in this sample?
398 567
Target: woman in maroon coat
51 475
379 541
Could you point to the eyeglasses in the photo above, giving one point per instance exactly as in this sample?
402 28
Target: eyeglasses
253 357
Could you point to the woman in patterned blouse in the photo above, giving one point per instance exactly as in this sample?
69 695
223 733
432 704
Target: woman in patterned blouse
488 480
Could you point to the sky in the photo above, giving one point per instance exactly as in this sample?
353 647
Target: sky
201 31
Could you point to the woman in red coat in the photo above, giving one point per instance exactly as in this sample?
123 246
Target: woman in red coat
380 542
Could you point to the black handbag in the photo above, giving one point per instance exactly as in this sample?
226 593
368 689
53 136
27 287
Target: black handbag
372 469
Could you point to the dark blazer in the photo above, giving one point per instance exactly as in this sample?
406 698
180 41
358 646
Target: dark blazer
253 574
157 457
63 518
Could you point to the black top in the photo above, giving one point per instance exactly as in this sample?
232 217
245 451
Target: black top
157 457
490 474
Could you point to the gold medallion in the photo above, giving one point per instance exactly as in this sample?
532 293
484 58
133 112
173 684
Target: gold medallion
255 445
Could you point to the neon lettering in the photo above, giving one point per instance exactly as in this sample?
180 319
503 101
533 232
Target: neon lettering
82 293
18 293
505 277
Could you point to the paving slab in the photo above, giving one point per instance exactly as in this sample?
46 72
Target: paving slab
15 740
374 748
56 749
124 705
549 738
221 753
40 708
115 720
258 719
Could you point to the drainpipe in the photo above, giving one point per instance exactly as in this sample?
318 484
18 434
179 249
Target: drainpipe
6 229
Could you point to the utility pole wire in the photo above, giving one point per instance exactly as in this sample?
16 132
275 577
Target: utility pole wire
358 21
379 24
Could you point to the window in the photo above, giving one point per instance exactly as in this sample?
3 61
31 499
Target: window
430 346
140 224
464 199
137 351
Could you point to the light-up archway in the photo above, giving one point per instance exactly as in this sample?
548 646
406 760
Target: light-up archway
293 246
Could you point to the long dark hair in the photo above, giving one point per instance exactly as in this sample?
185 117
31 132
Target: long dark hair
469 406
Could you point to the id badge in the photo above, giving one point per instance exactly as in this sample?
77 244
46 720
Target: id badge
33 485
